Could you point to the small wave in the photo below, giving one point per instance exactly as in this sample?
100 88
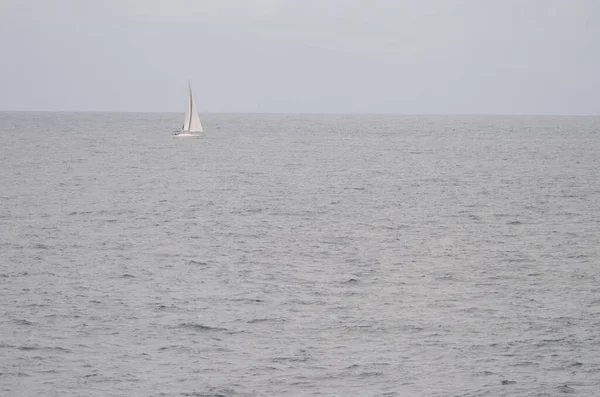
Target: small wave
354 188
197 263
526 364
33 348
369 374
360 328
23 322
351 281
544 341
170 347
80 213
211 392
258 320
447 276
27 348
291 359
577 256
248 300
298 301
518 260
263 320
200 327
115 212
20 374
166 307
566 389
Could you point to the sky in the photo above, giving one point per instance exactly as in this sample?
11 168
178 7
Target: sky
302 56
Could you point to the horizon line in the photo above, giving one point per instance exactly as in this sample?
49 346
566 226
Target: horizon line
318 113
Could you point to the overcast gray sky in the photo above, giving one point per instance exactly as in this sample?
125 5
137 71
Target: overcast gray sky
306 56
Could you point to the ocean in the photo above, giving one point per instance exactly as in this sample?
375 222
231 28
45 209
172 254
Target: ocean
299 255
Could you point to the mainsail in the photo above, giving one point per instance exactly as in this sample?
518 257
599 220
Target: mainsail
191 122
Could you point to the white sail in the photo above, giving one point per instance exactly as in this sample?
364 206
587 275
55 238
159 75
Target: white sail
191 121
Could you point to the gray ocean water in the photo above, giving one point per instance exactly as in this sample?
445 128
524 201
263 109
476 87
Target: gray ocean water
299 256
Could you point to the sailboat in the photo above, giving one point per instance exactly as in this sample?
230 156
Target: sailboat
191 121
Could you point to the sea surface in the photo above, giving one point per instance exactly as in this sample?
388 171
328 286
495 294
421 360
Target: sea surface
299 255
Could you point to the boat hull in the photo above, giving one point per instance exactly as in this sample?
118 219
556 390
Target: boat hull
185 134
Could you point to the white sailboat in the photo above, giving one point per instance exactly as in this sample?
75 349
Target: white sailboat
191 121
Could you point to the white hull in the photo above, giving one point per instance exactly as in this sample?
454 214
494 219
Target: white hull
185 134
